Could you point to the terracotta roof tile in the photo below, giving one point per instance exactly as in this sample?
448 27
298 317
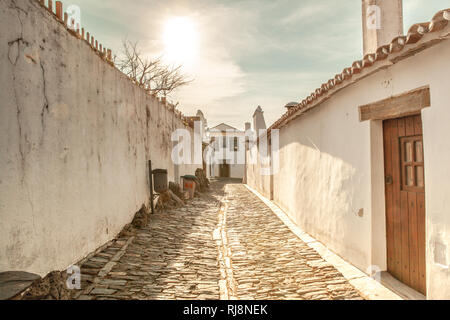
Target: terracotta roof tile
414 35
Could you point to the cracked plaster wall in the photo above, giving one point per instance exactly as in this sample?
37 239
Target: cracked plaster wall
75 137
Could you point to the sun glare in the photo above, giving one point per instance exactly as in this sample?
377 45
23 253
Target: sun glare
180 40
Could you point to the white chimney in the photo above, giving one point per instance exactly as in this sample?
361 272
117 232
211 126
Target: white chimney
258 120
382 22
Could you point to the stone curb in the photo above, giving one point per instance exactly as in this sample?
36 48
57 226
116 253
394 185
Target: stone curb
227 284
106 268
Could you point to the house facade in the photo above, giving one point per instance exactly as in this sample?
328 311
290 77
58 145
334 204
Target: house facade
226 157
363 159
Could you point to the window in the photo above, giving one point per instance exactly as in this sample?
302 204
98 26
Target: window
213 142
412 164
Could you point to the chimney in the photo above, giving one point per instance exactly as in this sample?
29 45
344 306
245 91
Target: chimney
258 120
248 127
291 105
382 22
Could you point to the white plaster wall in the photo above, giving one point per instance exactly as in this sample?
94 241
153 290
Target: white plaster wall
75 137
324 178
252 176
256 179
330 170
237 171
430 67
237 168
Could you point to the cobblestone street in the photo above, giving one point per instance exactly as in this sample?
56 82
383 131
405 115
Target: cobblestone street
226 244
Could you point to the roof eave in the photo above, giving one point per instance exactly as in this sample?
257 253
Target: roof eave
386 56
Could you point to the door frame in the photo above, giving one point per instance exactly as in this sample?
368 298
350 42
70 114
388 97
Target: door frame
411 102
406 234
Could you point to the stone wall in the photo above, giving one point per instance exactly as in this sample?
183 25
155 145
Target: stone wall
75 137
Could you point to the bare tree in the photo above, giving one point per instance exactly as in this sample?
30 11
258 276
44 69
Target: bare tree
150 74
170 79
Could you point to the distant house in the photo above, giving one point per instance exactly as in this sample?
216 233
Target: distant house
226 142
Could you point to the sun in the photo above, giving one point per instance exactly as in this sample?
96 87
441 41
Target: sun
180 40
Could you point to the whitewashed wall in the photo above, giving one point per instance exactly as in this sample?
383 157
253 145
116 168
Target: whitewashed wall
237 165
75 137
331 168
237 171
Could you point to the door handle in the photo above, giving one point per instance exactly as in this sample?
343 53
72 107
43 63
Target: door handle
389 180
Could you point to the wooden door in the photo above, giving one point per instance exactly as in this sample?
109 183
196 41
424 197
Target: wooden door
227 171
405 200
224 170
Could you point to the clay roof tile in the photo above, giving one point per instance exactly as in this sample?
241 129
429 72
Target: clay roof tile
368 60
415 33
382 52
397 44
439 21
347 73
357 66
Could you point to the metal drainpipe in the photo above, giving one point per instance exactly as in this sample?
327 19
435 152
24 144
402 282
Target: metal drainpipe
151 185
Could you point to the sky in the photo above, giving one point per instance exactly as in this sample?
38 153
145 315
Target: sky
242 53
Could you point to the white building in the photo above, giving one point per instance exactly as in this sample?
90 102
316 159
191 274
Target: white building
363 160
228 144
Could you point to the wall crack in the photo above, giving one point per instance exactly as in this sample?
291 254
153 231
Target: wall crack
19 124
45 105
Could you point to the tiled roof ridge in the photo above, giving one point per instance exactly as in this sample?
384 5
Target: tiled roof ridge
104 53
415 33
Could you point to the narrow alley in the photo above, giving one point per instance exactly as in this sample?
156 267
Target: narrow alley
226 244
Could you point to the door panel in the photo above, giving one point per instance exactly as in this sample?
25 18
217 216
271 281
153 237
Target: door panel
390 221
405 200
421 246
224 170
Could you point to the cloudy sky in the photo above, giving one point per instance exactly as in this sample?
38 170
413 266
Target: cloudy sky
242 53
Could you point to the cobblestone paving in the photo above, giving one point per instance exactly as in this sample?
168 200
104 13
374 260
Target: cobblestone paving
270 262
226 244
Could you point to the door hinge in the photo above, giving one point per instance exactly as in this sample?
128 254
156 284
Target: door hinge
389 180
